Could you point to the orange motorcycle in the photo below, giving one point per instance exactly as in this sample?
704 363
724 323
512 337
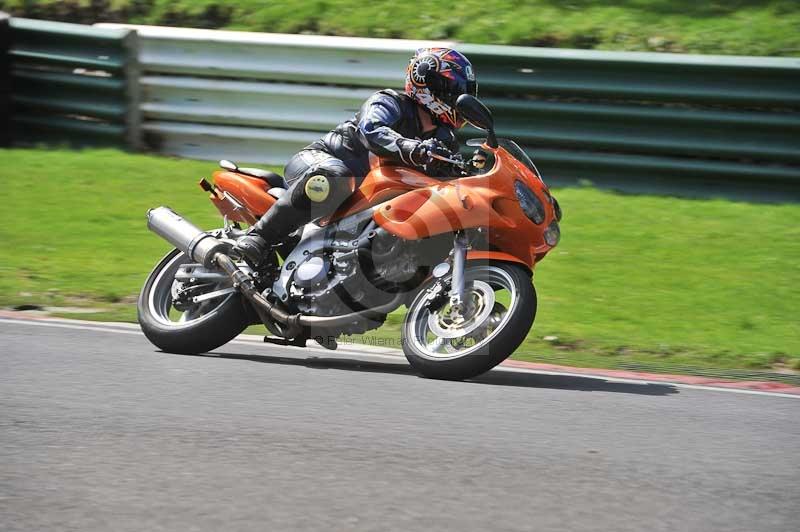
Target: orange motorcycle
458 253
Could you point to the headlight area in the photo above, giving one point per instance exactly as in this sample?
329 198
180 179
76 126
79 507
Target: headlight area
529 202
552 234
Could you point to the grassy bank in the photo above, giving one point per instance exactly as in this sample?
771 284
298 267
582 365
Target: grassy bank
637 279
749 27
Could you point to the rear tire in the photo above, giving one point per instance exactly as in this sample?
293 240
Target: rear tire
216 324
486 353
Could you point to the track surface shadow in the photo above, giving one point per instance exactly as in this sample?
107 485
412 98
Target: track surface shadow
492 378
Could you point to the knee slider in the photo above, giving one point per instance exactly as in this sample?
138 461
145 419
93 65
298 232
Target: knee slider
317 188
322 188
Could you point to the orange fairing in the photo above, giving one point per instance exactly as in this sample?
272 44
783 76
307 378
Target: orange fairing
384 181
239 197
485 201
412 205
496 256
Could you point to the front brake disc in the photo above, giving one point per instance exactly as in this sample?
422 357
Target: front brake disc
446 325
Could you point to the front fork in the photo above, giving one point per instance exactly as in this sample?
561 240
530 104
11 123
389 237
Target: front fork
457 286
437 294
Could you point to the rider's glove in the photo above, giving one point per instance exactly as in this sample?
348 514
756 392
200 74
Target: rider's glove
424 153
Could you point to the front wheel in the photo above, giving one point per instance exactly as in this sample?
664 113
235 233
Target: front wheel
185 314
499 307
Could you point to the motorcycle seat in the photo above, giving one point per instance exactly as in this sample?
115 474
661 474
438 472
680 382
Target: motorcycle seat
271 178
274 180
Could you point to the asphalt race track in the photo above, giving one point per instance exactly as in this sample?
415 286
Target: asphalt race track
100 432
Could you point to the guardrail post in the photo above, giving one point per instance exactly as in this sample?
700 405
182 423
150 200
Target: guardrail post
70 84
131 73
5 80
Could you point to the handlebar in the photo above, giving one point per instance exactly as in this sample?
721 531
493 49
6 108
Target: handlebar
454 162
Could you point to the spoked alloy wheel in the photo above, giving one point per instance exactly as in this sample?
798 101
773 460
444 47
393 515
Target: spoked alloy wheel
188 316
499 307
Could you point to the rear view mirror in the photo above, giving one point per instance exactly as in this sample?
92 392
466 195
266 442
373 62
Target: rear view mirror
477 114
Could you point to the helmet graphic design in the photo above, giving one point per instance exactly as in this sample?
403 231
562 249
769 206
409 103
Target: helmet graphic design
436 77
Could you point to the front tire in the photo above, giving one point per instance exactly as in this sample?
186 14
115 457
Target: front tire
440 347
196 330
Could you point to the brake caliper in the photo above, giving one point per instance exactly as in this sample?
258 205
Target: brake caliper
436 295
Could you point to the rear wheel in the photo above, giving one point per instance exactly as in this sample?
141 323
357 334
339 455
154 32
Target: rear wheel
444 342
173 321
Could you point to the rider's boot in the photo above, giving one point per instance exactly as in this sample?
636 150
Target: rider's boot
311 197
280 220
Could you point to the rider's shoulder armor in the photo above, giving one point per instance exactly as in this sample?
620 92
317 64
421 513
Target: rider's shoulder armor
398 111
388 108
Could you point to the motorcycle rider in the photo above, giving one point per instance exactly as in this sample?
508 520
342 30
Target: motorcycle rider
410 127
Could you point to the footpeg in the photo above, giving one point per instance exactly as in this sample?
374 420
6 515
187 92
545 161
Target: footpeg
300 341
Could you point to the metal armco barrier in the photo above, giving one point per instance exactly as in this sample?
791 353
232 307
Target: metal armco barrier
254 96
649 119
638 121
74 84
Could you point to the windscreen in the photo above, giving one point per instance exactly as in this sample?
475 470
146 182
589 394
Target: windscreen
512 148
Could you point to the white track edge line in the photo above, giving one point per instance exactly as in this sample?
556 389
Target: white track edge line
109 328
644 381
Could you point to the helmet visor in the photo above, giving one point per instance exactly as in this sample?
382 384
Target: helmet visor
453 88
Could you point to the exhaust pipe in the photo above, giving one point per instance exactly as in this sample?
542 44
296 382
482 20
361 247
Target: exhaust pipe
294 322
182 234
211 253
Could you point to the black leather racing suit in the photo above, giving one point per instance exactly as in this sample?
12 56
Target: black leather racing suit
387 124
384 125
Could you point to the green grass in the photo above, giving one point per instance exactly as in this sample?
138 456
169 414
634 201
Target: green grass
643 279
73 229
750 27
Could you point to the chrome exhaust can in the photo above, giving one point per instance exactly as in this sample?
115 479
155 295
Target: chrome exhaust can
184 235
